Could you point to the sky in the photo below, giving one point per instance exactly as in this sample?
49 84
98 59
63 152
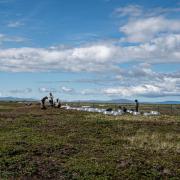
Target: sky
90 49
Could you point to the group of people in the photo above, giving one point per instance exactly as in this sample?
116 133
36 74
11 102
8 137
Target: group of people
52 103
57 103
124 109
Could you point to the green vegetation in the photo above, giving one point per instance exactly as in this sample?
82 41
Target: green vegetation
64 144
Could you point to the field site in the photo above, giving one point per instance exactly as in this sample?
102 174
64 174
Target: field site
68 144
89 89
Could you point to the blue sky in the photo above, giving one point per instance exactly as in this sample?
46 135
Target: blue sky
90 49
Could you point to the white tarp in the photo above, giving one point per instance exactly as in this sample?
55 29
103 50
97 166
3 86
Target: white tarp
114 113
152 113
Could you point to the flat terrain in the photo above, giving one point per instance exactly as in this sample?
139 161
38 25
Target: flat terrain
64 144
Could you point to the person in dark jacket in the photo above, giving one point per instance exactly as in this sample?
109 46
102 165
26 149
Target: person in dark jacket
137 105
43 100
124 109
109 109
51 99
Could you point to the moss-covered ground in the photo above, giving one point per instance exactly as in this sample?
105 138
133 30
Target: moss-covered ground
65 144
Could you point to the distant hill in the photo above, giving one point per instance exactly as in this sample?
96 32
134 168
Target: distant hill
121 101
126 101
16 99
116 101
169 102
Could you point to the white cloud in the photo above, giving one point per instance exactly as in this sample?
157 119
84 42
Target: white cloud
92 58
131 10
159 50
134 84
158 41
47 90
134 11
5 38
88 58
67 90
143 30
166 88
132 90
142 81
153 39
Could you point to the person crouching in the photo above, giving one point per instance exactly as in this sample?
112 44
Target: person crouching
43 100
57 104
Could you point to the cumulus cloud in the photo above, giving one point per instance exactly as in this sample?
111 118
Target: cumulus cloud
157 41
154 38
91 58
143 30
159 50
166 88
139 80
145 24
142 81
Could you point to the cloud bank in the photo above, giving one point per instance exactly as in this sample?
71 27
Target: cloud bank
92 58
147 38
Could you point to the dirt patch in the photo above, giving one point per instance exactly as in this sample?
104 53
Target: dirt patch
62 150
46 169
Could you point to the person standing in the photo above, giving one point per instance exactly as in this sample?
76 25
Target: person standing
137 105
51 99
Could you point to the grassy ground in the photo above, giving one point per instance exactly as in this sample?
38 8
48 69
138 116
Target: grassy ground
63 144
